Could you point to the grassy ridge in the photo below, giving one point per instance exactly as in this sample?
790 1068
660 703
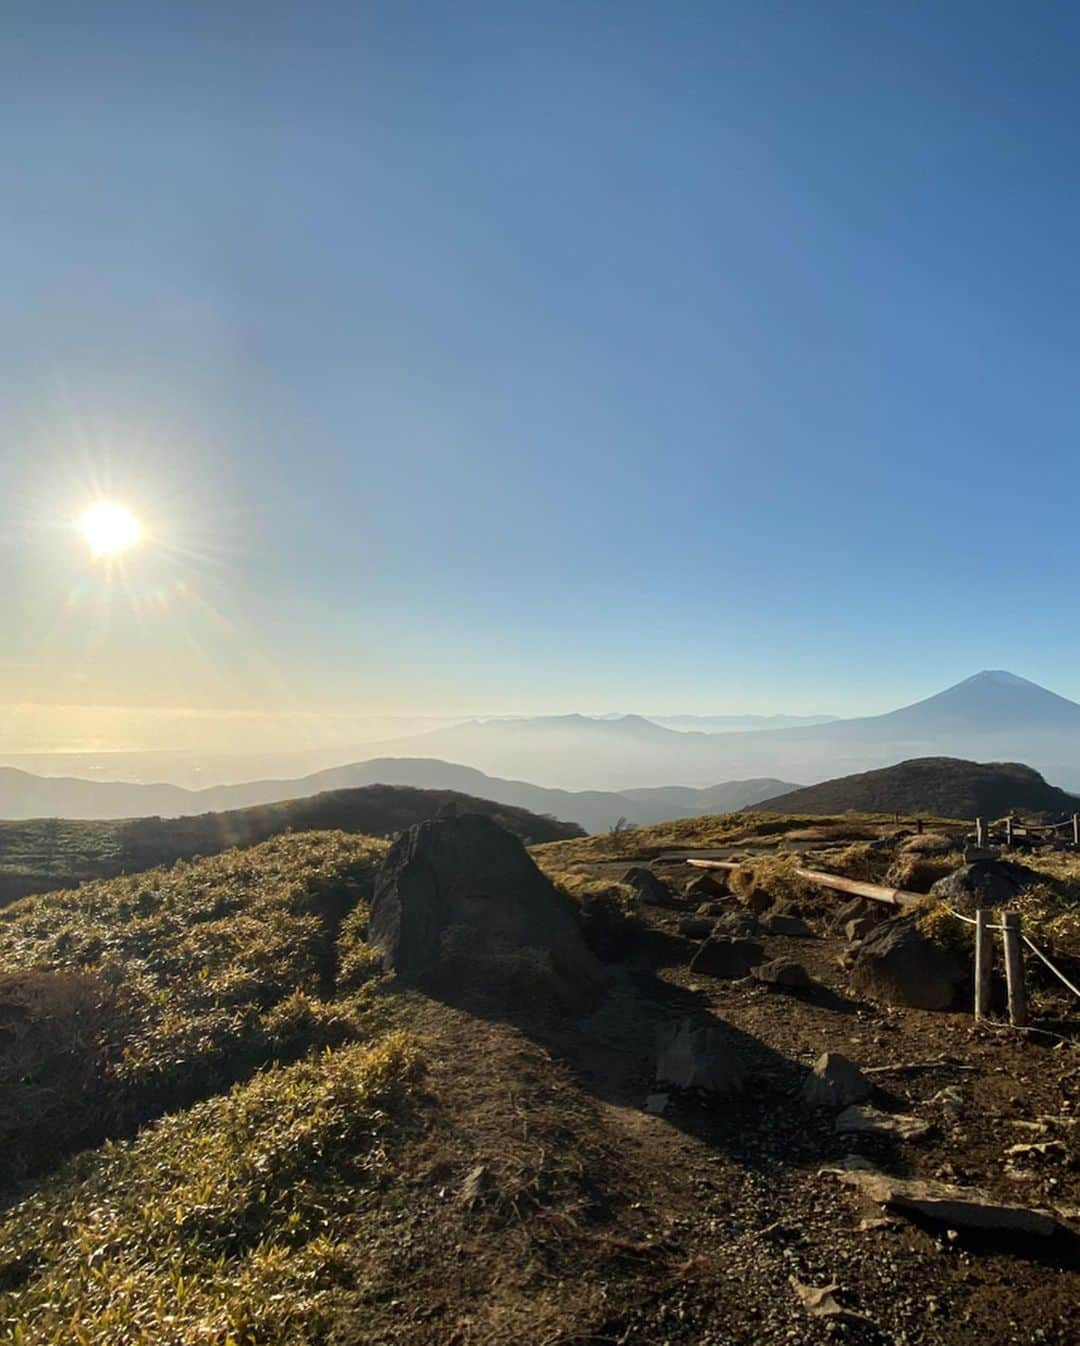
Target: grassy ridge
49 853
192 977
230 1224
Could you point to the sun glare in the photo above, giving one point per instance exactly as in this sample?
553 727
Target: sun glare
109 529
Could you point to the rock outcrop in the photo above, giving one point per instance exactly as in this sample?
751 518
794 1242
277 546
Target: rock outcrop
460 895
984 883
899 965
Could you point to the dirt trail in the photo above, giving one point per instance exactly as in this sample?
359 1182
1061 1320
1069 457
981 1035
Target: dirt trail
598 1223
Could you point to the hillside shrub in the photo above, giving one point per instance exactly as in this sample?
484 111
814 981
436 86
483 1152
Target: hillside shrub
232 1223
218 963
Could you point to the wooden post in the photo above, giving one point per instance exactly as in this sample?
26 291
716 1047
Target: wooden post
980 833
1014 969
984 963
1008 832
918 826
1076 829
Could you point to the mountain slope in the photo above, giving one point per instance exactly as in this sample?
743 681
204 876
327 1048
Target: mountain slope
37 855
992 716
945 786
24 796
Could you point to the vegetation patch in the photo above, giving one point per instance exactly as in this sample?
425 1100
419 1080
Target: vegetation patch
231 1224
206 971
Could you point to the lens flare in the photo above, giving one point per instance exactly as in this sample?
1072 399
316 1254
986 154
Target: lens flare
109 529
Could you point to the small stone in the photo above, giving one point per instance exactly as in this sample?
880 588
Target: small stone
835 1082
859 928
478 1183
695 927
956 1207
690 1057
864 1121
653 892
792 926
784 972
730 958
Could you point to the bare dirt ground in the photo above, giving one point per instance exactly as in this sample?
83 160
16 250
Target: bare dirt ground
542 1204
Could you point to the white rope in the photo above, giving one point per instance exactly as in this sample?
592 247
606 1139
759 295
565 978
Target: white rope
968 921
1056 971
1033 947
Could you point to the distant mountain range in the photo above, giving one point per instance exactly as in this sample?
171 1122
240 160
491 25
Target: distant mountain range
714 724
23 795
595 770
993 716
945 787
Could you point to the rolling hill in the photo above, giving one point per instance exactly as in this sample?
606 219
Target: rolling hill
24 796
947 787
47 853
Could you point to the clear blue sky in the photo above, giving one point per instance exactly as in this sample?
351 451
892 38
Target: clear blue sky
508 356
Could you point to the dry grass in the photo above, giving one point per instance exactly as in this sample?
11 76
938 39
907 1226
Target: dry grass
775 875
917 873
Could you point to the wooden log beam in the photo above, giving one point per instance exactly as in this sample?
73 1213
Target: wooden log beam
873 892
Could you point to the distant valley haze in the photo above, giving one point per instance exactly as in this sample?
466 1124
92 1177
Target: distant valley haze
593 770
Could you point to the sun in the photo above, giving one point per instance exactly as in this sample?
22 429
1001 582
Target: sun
109 528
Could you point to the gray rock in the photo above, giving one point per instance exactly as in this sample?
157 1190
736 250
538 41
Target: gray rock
708 885
854 910
859 928
793 926
898 965
863 1121
714 909
695 927
467 876
724 957
740 923
784 972
835 1082
956 1207
698 1058
653 892
984 883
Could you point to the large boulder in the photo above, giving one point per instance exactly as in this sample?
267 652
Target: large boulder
899 965
984 883
460 896
732 958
